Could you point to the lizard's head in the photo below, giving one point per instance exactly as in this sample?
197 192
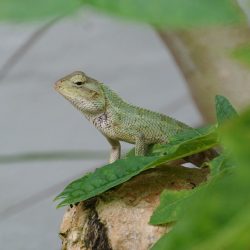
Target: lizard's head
82 91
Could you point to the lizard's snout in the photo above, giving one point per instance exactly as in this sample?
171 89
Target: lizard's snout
58 85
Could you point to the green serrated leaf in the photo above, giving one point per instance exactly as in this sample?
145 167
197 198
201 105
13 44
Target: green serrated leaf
172 13
103 179
182 138
181 148
122 170
224 109
25 10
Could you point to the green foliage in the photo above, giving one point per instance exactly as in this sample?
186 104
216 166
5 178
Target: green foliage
242 54
224 109
103 179
220 165
23 10
171 205
120 171
188 142
182 138
172 13
236 138
217 216
168 13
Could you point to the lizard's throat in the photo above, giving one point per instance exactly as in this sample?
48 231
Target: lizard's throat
89 109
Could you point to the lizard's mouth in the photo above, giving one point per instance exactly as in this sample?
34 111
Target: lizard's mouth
58 85
60 88
63 90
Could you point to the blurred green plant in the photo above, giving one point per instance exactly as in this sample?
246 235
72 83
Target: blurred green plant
172 13
217 217
168 13
28 10
242 54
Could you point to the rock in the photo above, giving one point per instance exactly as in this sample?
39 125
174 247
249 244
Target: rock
119 218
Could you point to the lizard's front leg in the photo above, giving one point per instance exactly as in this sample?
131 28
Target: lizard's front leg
115 150
140 146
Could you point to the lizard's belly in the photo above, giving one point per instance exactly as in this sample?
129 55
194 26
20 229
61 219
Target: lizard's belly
111 129
130 135
118 134
128 132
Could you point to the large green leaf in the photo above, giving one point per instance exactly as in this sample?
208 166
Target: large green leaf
173 13
103 179
20 10
218 216
120 171
197 137
178 139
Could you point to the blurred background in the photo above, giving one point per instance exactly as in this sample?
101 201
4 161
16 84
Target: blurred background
45 143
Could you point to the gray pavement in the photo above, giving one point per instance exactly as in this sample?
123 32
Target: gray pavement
129 57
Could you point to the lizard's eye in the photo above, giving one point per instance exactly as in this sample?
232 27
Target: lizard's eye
79 83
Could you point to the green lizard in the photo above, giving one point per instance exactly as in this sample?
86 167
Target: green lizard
114 118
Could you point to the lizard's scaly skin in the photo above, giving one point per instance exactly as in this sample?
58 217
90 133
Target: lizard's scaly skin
114 118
